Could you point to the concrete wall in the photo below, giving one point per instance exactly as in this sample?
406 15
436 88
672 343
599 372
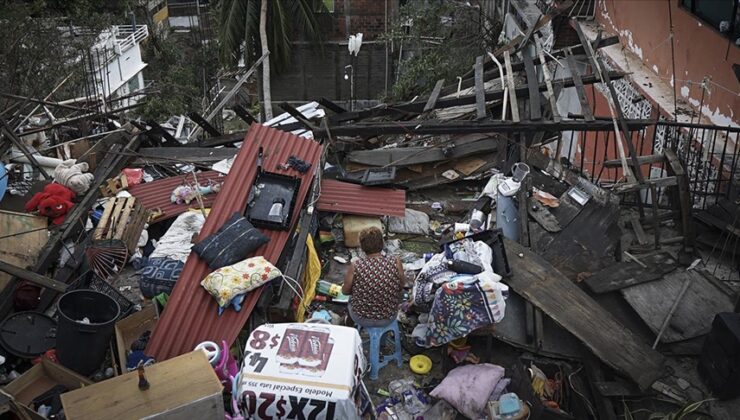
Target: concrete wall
644 27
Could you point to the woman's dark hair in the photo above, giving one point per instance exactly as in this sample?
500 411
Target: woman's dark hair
371 240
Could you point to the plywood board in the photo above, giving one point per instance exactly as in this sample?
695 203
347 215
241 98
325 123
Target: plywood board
629 273
186 381
693 317
545 287
21 250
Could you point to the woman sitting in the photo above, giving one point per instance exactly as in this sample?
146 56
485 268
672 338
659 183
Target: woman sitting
374 283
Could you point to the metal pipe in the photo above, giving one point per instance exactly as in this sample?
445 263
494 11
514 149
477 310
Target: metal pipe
501 77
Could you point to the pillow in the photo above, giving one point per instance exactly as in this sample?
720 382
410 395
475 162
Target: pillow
230 282
158 275
236 239
467 388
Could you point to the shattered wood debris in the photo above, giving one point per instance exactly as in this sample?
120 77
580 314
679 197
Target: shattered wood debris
478 190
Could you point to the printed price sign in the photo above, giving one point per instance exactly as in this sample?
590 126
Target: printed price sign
301 371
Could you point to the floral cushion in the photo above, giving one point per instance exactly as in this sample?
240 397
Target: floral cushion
235 280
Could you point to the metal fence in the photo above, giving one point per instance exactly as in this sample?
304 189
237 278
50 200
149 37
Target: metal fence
709 154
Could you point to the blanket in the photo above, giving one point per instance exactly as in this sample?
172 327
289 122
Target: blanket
462 306
175 244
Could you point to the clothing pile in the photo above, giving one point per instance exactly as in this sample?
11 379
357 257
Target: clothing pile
458 292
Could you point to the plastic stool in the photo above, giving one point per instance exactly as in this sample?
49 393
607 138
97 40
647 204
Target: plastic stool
378 361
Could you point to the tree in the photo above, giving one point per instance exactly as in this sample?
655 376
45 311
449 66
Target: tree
266 94
245 35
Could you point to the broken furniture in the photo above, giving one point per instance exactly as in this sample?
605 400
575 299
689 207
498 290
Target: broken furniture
114 185
123 219
40 379
557 296
183 387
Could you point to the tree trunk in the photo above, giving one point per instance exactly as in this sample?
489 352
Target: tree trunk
266 63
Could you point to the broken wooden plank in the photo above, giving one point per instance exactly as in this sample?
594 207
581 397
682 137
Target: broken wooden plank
491 72
468 166
150 155
404 156
542 215
432 101
23 236
693 316
205 125
512 88
34 278
535 109
331 106
548 79
20 145
242 113
639 231
543 285
682 195
625 274
467 127
578 82
480 92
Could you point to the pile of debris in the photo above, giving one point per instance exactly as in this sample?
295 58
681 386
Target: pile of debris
215 268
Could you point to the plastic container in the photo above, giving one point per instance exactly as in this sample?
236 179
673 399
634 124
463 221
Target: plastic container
495 239
86 323
28 334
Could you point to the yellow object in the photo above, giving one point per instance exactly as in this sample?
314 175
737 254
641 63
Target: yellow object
420 364
310 278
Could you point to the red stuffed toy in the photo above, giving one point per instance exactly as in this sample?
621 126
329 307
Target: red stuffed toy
54 202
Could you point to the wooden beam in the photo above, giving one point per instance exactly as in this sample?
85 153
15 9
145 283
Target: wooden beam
34 278
305 122
331 106
22 147
158 129
466 127
205 125
480 91
491 72
538 281
414 108
535 109
548 79
432 101
573 66
641 160
512 88
242 113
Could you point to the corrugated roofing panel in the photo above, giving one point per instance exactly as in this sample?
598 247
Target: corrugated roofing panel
191 313
344 197
156 194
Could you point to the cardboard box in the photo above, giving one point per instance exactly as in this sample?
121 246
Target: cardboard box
41 378
129 329
183 387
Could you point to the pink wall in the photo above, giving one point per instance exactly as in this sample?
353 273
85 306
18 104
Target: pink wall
644 27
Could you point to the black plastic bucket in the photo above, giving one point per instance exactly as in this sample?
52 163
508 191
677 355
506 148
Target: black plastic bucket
81 346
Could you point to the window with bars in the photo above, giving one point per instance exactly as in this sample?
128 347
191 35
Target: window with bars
722 15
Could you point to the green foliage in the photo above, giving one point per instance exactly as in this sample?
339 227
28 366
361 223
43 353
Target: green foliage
239 36
37 50
443 39
176 66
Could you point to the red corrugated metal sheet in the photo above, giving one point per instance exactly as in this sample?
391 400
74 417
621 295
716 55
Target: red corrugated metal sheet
191 314
344 197
156 194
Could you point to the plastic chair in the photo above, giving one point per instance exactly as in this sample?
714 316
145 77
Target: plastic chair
378 361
